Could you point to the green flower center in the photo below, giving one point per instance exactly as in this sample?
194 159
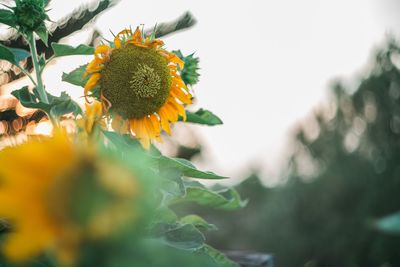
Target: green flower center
145 82
136 81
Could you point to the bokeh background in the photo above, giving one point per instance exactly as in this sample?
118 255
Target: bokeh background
309 94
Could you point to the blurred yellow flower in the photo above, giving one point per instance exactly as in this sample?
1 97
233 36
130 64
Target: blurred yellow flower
56 195
140 84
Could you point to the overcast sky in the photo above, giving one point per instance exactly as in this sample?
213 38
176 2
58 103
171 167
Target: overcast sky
264 64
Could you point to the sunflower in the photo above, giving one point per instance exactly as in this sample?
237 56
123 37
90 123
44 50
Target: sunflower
44 196
140 85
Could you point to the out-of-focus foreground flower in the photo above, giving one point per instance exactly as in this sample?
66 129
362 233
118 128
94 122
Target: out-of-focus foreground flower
139 84
57 195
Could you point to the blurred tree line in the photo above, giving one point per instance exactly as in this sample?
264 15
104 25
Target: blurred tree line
344 174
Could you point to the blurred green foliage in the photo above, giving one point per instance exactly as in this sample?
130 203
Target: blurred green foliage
343 177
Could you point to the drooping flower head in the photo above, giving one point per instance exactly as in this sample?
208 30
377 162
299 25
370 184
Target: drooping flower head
139 84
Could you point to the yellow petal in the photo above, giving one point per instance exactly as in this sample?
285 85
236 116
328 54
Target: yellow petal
181 95
102 49
137 36
92 82
149 127
179 107
156 124
94 66
164 120
117 39
175 59
172 112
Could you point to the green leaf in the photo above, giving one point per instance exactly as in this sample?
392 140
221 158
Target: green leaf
75 77
13 55
57 107
389 224
7 17
198 222
164 215
63 105
7 54
203 116
43 34
186 167
20 54
218 257
124 142
185 237
61 50
29 100
225 199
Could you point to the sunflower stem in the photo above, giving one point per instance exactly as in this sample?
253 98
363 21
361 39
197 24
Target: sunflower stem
39 87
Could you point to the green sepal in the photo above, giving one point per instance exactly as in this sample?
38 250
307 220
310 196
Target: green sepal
62 50
7 17
57 107
202 116
13 55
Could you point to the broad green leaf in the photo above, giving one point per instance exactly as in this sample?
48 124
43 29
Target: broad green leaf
175 176
43 34
7 17
7 54
75 77
203 116
29 100
185 237
198 222
164 215
61 50
226 199
218 257
63 105
13 55
124 142
58 106
389 224
19 54
186 167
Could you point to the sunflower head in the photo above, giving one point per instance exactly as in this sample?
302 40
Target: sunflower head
140 85
136 81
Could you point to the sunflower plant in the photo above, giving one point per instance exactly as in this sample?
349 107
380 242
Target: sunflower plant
101 193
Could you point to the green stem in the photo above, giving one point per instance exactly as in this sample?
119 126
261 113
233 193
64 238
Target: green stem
40 88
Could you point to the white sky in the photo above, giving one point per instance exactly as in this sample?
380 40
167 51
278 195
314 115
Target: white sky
264 64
